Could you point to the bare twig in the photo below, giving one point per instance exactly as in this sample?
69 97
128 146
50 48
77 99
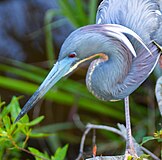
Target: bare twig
82 143
78 123
88 128
149 153
112 129
94 151
121 132
94 137
24 150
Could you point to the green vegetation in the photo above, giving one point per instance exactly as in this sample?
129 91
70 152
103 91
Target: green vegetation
69 98
14 136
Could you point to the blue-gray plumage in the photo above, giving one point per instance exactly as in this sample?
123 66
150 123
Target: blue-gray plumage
123 44
114 77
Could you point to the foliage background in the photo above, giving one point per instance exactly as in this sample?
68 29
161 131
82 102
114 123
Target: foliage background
68 106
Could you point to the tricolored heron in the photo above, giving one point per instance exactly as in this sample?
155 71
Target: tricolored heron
124 48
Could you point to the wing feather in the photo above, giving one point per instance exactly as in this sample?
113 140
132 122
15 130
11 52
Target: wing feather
141 68
141 16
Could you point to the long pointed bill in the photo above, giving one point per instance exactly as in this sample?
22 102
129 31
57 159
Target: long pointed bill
59 70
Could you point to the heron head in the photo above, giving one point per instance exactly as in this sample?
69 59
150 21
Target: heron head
77 48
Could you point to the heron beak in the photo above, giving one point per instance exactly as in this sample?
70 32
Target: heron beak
60 69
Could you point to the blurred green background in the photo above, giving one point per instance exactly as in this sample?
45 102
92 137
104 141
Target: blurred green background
30 39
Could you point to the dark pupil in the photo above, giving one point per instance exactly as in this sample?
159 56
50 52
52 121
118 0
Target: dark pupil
72 55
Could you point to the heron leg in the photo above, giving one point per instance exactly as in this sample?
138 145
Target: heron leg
129 140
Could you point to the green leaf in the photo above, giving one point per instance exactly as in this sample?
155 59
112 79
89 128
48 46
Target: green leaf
22 73
17 85
159 140
12 129
38 155
27 67
4 112
146 139
7 122
80 10
39 135
14 108
14 105
60 153
144 156
3 132
130 157
92 11
35 121
49 37
24 119
2 104
68 11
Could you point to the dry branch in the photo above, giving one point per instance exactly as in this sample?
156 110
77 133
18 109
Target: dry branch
122 132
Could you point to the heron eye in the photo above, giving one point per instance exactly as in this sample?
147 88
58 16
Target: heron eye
72 55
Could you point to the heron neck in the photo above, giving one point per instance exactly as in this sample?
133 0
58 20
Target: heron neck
105 75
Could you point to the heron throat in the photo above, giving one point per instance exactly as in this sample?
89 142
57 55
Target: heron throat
107 73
